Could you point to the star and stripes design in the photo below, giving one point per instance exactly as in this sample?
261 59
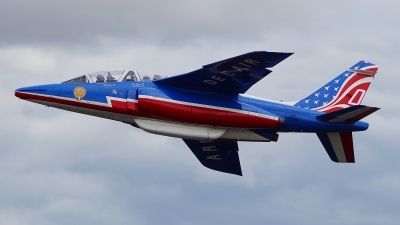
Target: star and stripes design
332 95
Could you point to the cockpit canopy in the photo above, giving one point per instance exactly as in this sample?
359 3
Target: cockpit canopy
114 76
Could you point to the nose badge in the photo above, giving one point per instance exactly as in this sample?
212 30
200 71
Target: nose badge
79 93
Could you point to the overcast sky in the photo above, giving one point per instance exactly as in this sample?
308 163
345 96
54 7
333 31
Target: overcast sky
57 167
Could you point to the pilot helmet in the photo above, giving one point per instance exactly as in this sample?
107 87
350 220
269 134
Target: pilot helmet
146 78
100 79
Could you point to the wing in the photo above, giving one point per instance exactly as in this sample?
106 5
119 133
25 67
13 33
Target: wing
217 155
235 75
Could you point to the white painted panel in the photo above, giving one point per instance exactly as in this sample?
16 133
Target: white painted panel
242 135
180 130
337 146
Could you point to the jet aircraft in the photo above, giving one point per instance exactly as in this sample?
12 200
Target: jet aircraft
209 110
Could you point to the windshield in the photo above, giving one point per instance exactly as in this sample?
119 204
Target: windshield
80 79
105 76
130 76
147 76
114 76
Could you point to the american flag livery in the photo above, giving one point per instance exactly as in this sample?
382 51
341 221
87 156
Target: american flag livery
345 90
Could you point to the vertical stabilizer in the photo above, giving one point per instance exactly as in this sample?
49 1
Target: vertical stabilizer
347 89
339 146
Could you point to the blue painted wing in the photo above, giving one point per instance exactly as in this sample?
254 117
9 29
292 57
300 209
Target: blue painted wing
233 76
217 155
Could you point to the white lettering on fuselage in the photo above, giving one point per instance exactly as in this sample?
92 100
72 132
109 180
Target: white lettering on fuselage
210 82
252 62
211 148
240 69
228 74
214 157
241 66
218 78
244 65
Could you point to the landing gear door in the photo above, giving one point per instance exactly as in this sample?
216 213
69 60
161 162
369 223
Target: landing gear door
132 99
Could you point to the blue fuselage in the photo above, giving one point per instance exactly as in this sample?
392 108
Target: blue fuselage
208 110
124 99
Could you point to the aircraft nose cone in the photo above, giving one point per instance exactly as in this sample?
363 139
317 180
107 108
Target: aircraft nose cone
27 92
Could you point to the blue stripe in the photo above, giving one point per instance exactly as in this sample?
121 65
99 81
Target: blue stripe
323 137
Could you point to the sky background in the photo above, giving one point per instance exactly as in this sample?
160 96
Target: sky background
58 167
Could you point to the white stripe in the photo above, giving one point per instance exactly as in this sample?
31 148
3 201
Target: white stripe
369 67
337 146
108 104
132 100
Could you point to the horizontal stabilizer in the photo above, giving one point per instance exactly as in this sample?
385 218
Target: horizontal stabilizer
217 155
339 146
351 114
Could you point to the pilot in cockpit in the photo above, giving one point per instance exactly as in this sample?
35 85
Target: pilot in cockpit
100 79
146 78
110 78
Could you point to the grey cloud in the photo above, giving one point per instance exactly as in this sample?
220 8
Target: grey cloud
61 168
175 23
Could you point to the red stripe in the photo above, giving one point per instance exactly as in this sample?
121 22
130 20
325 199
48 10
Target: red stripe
345 100
155 109
119 105
201 115
347 142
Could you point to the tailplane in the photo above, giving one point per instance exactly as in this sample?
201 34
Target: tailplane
349 115
347 89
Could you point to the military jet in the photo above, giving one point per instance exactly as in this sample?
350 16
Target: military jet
209 110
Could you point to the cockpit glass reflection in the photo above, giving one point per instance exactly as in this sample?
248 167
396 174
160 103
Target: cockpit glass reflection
77 80
105 76
114 76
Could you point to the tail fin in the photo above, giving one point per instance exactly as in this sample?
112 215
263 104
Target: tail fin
345 90
339 146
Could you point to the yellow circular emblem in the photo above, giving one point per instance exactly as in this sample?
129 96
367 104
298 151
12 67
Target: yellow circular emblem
79 92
